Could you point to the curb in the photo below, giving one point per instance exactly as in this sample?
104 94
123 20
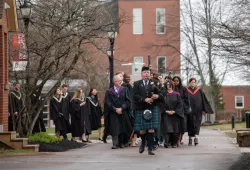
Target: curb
26 154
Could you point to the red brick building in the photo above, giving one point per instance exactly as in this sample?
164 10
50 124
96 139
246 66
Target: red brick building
151 27
8 22
236 99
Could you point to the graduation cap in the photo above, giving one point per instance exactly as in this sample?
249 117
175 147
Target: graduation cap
145 68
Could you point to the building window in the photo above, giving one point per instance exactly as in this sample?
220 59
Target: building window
160 21
137 20
239 102
137 66
161 64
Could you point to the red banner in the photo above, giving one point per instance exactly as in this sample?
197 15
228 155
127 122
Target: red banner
19 52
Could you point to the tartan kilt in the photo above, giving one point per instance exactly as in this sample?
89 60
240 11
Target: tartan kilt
143 124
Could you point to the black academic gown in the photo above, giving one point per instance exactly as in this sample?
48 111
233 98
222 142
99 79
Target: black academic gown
66 110
56 114
79 118
95 113
39 125
106 115
76 123
85 118
119 123
170 123
185 105
15 105
131 109
199 104
130 90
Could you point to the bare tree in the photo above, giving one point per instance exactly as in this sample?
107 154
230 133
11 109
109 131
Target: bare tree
58 37
199 29
234 33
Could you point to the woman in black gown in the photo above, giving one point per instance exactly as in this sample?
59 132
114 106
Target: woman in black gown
79 117
199 107
185 103
56 114
95 111
171 113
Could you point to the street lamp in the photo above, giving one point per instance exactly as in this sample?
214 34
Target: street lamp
112 35
26 10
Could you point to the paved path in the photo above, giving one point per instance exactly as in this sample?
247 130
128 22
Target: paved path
215 152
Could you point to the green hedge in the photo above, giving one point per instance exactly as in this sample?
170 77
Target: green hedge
43 137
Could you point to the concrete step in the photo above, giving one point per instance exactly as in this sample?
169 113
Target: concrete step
9 138
12 134
34 148
24 141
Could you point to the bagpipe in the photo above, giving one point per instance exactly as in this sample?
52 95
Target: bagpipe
155 79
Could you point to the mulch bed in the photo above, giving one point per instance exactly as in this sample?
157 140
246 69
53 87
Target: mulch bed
62 146
243 163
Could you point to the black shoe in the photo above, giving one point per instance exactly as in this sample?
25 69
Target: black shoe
114 147
150 152
195 141
84 141
190 142
166 145
141 148
104 140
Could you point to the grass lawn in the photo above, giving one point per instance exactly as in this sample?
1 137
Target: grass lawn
231 134
225 127
94 134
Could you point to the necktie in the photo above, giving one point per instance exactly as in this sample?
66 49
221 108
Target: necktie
146 84
116 90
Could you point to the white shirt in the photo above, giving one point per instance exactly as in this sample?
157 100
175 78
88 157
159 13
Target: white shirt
145 82
116 89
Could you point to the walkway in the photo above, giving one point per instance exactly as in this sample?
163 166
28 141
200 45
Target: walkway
215 152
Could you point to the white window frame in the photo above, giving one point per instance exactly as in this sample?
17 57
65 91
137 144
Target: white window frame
136 64
136 23
157 24
158 64
235 101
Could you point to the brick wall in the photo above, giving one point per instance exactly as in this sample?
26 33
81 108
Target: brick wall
4 72
229 93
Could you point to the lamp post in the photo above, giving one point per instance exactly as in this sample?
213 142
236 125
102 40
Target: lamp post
112 35
26 10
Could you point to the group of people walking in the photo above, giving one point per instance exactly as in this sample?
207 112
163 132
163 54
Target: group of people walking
76 115
155 109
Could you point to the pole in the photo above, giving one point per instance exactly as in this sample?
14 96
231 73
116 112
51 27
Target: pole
233 123
26 27
111 62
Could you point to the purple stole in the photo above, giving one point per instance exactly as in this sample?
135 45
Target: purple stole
112 90
173 93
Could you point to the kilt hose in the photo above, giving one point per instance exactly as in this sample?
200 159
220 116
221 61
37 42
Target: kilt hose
143 124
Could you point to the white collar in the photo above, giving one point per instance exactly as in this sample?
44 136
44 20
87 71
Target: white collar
18 97
92 102
59 100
